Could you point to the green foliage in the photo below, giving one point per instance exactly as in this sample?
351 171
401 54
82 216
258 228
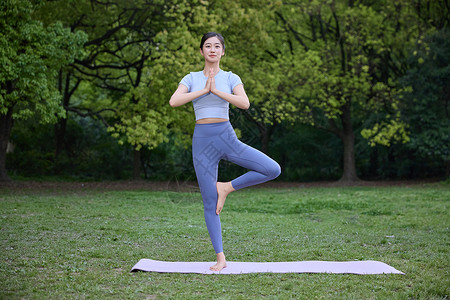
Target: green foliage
91 152
333 52
31 55
171 161
427 105
384 133
129 63
145 123
306 154
320 63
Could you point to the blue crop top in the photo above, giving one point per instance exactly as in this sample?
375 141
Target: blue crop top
210 105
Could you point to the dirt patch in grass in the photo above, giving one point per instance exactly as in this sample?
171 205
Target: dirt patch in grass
185 186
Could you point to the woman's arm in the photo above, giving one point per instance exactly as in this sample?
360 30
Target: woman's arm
181 95
238 98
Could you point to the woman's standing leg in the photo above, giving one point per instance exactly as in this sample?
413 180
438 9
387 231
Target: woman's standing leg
210 144
206 156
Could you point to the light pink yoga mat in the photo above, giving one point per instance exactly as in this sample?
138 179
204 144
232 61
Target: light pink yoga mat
351 267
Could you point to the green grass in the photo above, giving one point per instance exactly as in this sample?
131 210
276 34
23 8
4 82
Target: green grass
58 244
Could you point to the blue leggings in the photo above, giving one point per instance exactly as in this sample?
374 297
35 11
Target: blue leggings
210 144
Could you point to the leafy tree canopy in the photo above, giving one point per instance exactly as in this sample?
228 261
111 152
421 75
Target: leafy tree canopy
31 55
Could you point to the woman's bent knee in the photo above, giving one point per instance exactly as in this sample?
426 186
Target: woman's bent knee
274 170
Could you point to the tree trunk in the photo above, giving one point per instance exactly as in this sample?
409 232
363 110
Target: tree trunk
6 123
349 172
60 132
61 126
447 169
137 165
348 140
265 138
265 132
373 166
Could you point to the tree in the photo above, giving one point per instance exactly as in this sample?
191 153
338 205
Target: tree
335 64
30 56
136 53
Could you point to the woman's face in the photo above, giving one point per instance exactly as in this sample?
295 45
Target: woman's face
212 49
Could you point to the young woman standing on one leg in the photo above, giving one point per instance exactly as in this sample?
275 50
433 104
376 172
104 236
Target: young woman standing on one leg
211 91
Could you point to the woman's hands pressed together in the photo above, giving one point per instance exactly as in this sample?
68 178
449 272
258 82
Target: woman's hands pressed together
210 83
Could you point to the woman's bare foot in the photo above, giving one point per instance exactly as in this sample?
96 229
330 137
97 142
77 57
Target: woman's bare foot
221 262
223 189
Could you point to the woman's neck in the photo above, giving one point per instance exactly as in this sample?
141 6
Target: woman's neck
208 66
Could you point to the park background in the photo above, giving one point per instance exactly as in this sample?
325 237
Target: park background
339 89
354 93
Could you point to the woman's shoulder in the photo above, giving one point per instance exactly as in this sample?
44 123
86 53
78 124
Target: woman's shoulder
232 78
196 73
230 74
191 77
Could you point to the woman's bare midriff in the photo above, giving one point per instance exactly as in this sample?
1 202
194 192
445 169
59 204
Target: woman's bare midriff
210 120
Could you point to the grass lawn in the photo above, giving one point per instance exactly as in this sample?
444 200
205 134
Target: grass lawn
82 243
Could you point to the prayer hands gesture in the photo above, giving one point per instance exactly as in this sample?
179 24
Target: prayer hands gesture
210 83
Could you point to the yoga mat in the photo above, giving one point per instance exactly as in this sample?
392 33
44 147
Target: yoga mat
351 267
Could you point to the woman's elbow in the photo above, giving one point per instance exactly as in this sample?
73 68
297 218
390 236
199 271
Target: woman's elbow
244 103
172 102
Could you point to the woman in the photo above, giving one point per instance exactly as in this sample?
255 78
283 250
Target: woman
211 90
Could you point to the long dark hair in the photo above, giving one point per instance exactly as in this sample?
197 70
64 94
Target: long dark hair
210 35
